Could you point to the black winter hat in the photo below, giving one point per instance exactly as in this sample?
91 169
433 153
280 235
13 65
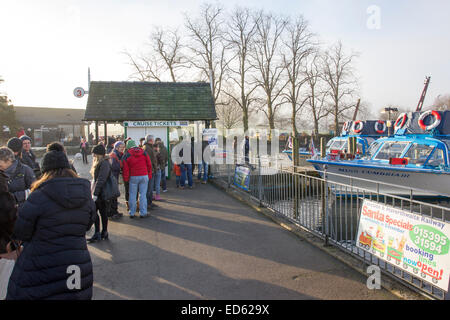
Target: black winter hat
54 160
99 149
15 144
24 137
55 146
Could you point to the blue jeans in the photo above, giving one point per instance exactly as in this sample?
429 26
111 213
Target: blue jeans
186 167
157 182
138 184
163 179
178 180
203 166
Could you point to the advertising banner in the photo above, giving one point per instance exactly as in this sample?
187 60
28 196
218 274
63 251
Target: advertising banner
415 243
242 177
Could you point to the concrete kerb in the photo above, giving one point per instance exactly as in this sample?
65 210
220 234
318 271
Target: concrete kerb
396 288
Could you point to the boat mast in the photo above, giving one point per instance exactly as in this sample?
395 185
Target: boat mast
424 92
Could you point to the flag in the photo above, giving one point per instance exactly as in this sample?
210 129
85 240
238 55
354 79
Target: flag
290 142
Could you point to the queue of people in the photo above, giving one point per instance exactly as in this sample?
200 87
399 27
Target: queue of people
46 210
43 225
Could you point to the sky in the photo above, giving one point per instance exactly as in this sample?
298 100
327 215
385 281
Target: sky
48 45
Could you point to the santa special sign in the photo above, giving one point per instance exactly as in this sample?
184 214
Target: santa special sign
415 243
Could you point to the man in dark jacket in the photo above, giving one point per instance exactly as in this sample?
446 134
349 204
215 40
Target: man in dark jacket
53 224
164 156
148 148
28 156
8 210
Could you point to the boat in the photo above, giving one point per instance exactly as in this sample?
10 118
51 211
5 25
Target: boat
413 162
365 133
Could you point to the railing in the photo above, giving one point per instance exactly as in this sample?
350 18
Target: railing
330 210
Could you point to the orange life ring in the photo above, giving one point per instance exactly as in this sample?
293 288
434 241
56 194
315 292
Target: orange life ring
401 121
436 122
360 125
383 129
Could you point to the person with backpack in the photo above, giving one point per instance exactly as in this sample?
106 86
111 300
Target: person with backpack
137 169
20 175
8 208
101 169
52 225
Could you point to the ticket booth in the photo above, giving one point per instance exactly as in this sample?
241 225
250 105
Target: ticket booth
159 129
163 109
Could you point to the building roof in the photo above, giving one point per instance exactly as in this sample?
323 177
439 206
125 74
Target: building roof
121 101
48 116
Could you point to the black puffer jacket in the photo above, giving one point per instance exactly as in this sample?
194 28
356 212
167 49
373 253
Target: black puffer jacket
53 223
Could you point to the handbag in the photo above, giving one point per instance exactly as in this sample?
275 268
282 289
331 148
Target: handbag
110 189
6 268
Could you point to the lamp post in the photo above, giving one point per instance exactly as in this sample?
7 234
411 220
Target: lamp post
388 110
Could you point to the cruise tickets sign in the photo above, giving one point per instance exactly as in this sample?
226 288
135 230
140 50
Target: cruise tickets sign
156 123
415 243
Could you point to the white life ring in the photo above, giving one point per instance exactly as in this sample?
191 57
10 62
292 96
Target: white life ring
401 121
377 126
436 122
345 127
358 124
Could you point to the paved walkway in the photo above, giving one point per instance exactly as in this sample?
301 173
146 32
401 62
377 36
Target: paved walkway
203 244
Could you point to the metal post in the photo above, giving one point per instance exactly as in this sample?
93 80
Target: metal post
325 219
259 182
96 132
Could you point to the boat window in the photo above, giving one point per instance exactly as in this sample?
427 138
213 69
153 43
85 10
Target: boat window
418 153
437 158
359 148
372 149
391 149
337 145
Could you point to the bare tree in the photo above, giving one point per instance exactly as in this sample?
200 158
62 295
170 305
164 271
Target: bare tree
316 94
208 46
229 113
299 45
164 60
267 61
339 76
241 29
442 102
145 68
167 44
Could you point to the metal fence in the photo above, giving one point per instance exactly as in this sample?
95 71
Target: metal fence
330 210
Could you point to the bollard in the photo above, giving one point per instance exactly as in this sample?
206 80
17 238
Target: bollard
323 147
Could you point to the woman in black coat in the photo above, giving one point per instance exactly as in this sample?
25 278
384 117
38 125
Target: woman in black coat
55 262
101 169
